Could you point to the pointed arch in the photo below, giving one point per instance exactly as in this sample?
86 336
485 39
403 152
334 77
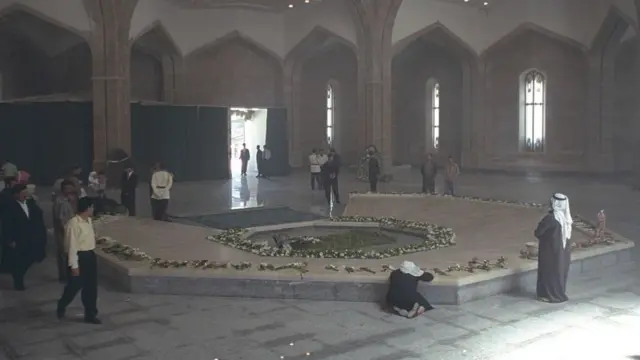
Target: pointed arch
47 34
23 8
317 39
436 30
236 36
315 43
212 73
529 27
417 70
158 39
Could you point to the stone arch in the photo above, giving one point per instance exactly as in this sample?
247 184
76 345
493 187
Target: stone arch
526 28
614 109
233 70
455 68
46 57
302 91
156 63
565 63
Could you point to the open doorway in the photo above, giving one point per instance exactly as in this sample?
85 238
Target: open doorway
247 126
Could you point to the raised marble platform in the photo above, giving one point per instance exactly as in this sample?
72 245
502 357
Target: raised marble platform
485 230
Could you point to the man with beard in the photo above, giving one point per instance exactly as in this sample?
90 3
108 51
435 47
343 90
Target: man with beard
554 251
25 234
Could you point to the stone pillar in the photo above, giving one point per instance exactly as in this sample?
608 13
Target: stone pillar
111 82
636 129
374 21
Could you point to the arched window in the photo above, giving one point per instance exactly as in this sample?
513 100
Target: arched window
533 112
435 116
331 102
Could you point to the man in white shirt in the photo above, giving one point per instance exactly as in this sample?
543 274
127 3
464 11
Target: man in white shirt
161 183
266 162
80 243
314 168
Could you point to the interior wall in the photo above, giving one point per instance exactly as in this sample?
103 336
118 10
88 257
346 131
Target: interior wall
72 71
337 64
626 77
411 70
566 69
146 76
234 73
24 68
29 72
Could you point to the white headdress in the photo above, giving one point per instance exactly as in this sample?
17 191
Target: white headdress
410 268
562 213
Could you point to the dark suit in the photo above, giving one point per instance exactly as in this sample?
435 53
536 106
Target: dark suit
29 236
259 162
329 172
374 172
128 185
5 197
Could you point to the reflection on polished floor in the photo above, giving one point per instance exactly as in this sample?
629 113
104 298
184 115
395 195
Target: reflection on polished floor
588 194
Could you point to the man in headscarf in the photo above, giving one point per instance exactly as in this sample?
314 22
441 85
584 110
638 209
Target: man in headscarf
554 254
403 295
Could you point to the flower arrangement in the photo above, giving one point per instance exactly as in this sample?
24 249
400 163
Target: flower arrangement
433 236
467 198
584 226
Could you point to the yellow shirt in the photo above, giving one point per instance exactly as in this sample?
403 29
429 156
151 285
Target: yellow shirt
79 236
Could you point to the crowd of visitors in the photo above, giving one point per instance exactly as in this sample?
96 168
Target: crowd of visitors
23 233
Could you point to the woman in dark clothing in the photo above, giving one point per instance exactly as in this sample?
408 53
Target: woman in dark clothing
554 251
403 293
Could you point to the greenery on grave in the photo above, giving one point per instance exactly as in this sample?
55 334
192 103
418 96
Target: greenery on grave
351 239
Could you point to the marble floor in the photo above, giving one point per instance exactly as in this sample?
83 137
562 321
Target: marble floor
601 321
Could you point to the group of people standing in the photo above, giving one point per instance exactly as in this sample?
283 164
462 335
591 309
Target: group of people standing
324 173
429 170
263 160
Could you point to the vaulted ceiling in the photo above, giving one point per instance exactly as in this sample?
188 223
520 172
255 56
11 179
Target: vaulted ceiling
265 5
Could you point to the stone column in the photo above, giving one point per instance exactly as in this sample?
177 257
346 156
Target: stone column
374 21
111 82
636 129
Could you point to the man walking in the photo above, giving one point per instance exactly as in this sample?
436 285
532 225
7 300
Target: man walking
451 176
128 186
244 158
314 168
83 271
161 183
63 210
429 171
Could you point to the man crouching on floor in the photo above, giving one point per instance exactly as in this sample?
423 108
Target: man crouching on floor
403 295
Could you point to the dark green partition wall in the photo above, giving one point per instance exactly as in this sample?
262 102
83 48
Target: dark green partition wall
191 141
45 138
278 141
209 143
